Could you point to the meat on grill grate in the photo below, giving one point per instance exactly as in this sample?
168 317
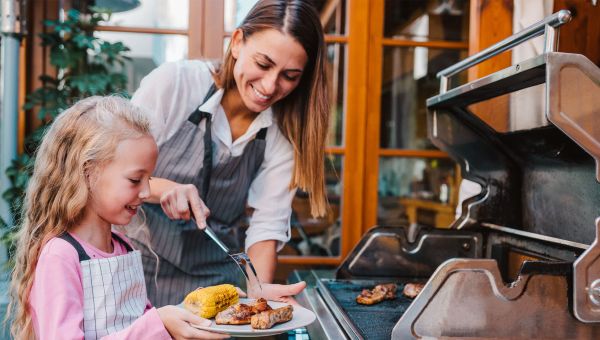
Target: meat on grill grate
377 294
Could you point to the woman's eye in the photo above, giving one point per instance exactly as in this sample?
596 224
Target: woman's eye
262 66
290 78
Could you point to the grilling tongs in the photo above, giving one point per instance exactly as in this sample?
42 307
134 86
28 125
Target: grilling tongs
241 258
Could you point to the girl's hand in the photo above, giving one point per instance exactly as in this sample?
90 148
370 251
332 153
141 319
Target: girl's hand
177 322
180 201
276 292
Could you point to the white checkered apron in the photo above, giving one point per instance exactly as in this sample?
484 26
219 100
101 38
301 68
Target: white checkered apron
114 293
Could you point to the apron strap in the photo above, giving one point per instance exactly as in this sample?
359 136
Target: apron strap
196 117
123 242
262 133
83 256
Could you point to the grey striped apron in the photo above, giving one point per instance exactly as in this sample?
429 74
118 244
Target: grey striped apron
188 258
114 291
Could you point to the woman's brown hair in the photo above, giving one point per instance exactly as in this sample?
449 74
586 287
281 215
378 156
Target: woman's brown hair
302 116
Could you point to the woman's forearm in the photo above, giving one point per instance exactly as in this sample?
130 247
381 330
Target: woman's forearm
157 187
263 255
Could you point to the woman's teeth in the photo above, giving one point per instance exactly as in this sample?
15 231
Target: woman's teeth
260 95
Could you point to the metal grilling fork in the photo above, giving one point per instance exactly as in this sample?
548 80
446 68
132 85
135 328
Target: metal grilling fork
241 258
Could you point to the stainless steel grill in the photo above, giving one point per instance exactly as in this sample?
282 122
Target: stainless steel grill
538 208
375 321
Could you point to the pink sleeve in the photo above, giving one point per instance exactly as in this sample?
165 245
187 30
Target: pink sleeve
148 326
56 298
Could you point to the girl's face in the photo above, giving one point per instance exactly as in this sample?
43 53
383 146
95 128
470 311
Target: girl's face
118 188
268 67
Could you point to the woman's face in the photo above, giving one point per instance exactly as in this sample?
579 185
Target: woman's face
268 67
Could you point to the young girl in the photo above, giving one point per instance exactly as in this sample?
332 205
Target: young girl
74 277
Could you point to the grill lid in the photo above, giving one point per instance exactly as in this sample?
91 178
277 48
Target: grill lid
542 179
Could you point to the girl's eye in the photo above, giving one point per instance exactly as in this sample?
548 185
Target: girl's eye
135 181
262 66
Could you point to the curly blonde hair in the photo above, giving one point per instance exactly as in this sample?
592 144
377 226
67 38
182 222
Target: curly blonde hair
80 139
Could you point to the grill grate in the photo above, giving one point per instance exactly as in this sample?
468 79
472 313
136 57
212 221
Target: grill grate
375 321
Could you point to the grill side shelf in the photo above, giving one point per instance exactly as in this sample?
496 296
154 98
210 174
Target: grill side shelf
467 298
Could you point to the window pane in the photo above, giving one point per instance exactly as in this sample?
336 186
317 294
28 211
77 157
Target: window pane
147 52
235 12
318 236
427 19
332 13
416 190
336 71
408 79
154 14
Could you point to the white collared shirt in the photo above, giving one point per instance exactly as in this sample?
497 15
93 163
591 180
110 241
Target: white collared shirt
171 92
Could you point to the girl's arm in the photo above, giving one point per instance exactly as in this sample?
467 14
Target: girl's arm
56 298
165 323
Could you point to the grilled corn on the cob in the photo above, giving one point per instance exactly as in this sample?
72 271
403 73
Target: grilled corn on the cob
207 302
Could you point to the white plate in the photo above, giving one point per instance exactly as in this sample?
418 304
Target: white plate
301 317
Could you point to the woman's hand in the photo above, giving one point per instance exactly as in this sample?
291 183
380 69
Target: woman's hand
177 322
180 201
276 292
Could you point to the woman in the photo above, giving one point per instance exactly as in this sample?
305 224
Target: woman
244 134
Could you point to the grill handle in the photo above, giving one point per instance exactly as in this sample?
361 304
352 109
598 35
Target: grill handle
549 26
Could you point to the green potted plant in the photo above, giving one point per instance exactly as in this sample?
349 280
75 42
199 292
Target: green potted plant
85 65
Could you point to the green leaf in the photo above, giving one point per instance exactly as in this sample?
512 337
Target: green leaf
59 57
73 15
84 41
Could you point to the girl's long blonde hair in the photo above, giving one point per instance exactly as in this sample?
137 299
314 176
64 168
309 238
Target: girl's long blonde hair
302 116
80 139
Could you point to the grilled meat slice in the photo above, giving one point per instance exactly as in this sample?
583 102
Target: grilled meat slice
260 305
368 297
411 290
389 289
377 294
268 319
240 314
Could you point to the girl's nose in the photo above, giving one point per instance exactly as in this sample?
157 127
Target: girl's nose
145 192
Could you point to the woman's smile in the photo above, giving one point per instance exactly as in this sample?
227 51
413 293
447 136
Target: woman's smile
262 97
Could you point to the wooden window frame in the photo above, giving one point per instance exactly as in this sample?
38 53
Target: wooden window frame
199 39
373 151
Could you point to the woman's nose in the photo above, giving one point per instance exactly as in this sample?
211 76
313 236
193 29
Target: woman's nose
270 83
